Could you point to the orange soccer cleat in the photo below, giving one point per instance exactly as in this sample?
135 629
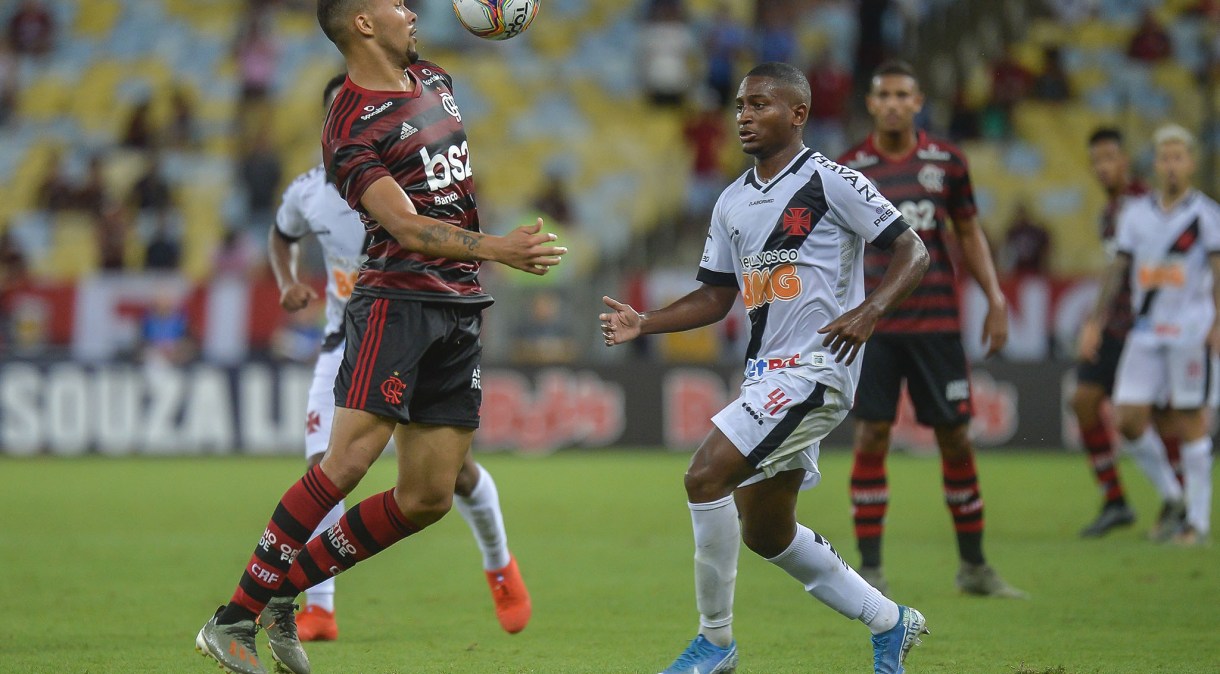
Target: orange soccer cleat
513 608
315 623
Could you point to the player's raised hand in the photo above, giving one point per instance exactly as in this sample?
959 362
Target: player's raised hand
995 329
526 248
297 296
621 325
1088 341
846 335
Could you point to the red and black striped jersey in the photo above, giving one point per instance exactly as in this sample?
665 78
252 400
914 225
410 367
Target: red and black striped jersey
416 138
929 186
1121 316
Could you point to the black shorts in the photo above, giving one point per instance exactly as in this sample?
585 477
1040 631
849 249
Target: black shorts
934 367
1101 371
412 361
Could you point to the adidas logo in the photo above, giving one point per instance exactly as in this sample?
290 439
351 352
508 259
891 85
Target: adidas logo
407 131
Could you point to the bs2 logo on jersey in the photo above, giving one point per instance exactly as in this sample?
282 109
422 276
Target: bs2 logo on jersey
446 167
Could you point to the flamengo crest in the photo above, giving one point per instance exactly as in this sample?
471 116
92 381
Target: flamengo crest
932 178
451 106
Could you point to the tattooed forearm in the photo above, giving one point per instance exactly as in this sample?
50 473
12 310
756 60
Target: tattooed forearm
448 241
432 235
469 240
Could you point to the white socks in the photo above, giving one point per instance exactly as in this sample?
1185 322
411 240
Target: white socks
717 544
481 510
1197 469
322 595
811 560
1149 453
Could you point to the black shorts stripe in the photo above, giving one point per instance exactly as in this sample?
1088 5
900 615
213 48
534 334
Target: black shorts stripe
379 315
784 428
370 345
361 359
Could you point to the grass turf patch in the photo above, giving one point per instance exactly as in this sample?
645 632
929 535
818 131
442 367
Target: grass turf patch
111 565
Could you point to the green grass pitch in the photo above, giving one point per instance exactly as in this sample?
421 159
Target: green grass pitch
112 566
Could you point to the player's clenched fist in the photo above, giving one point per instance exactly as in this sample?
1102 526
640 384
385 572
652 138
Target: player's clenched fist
622 325
297 296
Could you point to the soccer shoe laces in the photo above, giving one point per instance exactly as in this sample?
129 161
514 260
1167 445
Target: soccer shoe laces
283 619
692 655
501 588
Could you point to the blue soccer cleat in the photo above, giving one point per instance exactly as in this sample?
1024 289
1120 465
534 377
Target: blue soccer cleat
705 657
890 648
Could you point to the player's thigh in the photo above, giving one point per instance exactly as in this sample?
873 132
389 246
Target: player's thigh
320 408
449 389
1100 371
429 460
1087 400
1142 379
1190 425
938 379
778 422
880 382
1132 419
1192 377
715 469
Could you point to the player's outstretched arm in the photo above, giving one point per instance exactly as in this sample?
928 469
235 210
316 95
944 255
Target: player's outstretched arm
526 248
847 334
284 256
1090 332
977 256
704 306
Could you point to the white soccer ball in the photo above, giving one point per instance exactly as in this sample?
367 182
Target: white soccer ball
496 19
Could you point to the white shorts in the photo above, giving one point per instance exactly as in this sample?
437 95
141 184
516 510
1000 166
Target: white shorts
779 421
321 407
1152 372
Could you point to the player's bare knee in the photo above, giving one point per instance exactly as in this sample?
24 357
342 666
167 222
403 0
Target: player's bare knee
1131 426
954 441
873 437
704 486
467 479
1085 404
344 471
424 507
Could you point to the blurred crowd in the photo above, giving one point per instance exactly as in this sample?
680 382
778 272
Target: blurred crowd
689 56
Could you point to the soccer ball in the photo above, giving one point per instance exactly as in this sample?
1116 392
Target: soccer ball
496 19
